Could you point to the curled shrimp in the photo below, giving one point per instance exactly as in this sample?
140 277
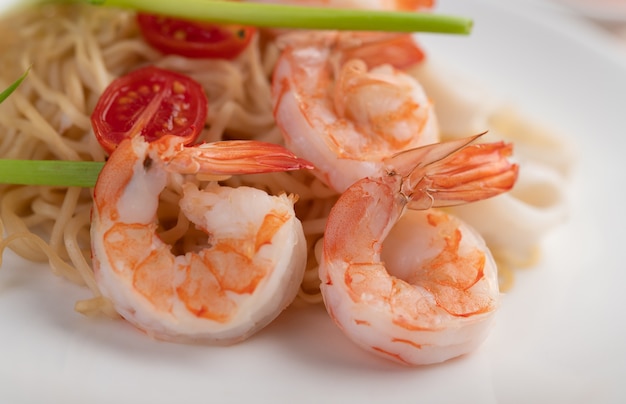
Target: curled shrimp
239 268
340 108
429 293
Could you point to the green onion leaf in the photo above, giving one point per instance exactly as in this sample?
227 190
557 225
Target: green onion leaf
13 87
50 172
282 16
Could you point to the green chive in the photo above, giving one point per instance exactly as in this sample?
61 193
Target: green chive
282 16
50 172
13 87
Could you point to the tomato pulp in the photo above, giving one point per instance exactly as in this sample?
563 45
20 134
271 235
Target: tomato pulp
194 39
150 102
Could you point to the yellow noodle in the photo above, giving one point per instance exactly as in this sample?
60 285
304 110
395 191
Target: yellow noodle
68 208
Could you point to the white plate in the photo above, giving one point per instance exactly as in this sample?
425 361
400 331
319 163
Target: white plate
604 10
559 336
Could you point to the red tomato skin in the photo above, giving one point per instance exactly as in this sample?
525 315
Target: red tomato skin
149 102
194 39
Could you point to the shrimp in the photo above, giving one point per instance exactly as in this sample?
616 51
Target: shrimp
242 266
339 108
430 291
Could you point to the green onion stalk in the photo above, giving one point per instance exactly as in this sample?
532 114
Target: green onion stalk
285 16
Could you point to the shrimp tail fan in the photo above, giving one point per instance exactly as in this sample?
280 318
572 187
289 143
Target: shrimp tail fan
454 172
236 157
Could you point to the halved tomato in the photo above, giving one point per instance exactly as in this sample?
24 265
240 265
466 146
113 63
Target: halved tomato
194 39
150 102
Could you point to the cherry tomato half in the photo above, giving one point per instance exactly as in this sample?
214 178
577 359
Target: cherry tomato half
150 102
194 39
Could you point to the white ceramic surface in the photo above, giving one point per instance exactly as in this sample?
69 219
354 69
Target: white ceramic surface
604 10
559 336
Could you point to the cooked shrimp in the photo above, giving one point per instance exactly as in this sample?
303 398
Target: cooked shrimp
234 278
429 293
341 110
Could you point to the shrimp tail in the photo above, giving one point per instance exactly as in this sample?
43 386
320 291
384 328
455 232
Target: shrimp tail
235 157
454 172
